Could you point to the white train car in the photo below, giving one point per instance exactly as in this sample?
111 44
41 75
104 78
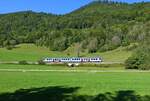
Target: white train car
74 61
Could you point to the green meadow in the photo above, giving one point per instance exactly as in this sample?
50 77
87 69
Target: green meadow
62 67
58 82
89 83
30 52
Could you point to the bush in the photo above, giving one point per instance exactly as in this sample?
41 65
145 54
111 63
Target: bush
23 62
125 43
140 59
9 47
135 63
144 67
41 62
12 42
132 63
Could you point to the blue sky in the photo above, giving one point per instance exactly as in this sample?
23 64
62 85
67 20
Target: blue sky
48 6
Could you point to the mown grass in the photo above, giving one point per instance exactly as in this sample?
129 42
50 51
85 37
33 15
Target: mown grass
117 55
60 67
89 83
30 52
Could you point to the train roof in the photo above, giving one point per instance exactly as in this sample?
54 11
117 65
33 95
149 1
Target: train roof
69 57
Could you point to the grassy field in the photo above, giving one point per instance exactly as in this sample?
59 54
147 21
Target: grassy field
30 52
20 83
59 67
88 83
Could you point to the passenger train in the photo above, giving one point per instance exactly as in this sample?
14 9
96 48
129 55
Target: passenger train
74 60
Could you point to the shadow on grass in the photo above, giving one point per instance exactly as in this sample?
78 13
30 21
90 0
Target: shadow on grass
39 94
68 94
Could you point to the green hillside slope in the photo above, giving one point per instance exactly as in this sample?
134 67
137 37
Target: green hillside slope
30 52
98 26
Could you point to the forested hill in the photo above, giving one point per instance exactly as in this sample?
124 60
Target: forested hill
98 26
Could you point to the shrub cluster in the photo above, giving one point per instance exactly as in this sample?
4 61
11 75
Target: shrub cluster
23 62
140 59
41 62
